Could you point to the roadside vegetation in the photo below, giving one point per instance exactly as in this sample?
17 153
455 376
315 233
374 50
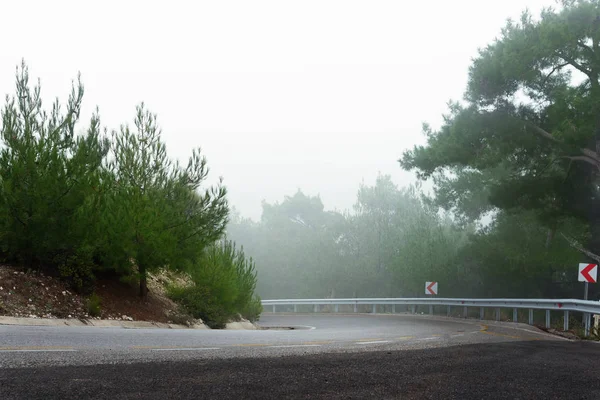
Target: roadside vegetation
83 203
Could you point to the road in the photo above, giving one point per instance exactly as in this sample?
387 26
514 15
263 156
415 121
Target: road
325 356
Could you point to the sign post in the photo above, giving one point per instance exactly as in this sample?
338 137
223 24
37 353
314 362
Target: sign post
588 273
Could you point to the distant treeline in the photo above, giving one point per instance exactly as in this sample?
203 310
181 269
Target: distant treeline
394 241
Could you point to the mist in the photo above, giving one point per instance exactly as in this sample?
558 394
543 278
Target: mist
317 96
305 110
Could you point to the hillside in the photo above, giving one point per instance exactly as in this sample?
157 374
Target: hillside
36 295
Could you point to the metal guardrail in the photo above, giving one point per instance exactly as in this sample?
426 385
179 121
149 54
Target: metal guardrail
565 305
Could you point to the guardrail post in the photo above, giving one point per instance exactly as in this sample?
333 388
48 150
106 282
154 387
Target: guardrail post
587 318
515 315
393 309
295 307
530 316
413 309
316 308
448 311
466 312
273 307
374 308
498 314
481 313
355 307
337 308
566 321
547 319
431 310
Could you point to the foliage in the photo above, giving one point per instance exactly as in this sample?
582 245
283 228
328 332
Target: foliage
510 258
295 241
201 303
388 246
94 305
524 147
253 309
224 282
78 270
153 213
394 241
83 204
528 136
49 176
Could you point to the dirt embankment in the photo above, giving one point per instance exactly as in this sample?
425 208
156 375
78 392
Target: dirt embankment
35 295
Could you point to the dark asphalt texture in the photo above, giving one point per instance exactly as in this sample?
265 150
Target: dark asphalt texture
512 370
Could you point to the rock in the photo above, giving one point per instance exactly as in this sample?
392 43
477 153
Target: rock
126 318
69 316
64 293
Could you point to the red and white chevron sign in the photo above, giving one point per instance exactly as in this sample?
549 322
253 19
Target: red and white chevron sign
588 273
431 288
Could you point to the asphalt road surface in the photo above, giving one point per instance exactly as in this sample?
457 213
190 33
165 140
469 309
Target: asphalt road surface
325 356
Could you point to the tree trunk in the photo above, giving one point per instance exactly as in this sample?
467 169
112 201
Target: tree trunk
143 283
594 225
550 237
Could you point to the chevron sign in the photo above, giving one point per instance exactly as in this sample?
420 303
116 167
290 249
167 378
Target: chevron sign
588 273
431 288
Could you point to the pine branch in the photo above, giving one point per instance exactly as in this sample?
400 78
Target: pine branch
587 48
543 133
585 159
556 68
575 64
577 246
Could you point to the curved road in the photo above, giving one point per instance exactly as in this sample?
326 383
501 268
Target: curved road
324 356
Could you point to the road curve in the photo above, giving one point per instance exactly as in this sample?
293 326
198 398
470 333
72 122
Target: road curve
316 333
341 356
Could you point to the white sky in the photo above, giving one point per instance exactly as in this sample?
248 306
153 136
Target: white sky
280 95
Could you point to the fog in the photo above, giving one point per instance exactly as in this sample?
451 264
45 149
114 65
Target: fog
317 95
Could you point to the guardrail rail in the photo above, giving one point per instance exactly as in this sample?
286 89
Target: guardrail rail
588 308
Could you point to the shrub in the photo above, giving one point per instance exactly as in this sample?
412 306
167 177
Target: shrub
201 303
77 270
253 310
224 282
94 305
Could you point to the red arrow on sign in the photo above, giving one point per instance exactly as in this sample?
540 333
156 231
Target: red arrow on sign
586 273
430 287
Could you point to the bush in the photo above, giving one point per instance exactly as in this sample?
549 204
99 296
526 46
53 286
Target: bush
94 305
77 271
224 282
201 303
253 310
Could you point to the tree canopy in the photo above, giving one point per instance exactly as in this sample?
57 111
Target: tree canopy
78 202
527 135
